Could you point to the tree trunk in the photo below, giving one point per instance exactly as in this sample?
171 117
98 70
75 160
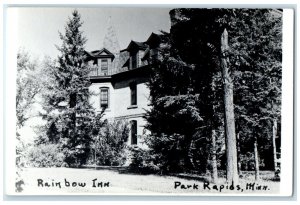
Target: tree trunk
231 151
72 104
274 146
95 157
188 165
214 158
72 101
238 153
256 160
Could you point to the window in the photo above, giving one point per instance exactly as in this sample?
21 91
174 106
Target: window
104 97
104 65
133 132
154 54
133 93
134 59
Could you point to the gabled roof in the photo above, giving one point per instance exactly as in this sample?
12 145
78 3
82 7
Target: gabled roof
100 53
146 54
135 44
152 42
126 64
153 38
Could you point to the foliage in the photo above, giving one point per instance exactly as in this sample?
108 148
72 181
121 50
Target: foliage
174 114
142 161
19 164
46 155
186 85
257 77
27 86
109 143
185 91
27 89
255 61
69 114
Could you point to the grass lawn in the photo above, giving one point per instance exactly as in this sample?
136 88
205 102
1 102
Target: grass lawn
44 181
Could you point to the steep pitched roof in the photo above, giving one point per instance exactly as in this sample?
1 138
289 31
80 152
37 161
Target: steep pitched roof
100 53
110 40
135 44
152 42
146 54
126 64
153 38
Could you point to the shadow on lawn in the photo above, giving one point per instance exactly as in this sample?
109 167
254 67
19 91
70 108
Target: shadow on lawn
247 175
122 169
145 171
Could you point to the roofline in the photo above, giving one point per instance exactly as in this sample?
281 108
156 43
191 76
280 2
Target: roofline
110 54
121 75
152 34
136 43
144 70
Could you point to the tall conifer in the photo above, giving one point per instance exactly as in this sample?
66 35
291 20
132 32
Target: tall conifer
69 113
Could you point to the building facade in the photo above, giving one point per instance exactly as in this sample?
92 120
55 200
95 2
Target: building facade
120 89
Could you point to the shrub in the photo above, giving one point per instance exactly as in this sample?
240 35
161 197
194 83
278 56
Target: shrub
168 152
46 155
110 144
142 161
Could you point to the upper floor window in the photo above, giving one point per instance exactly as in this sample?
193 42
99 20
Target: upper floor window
104 97
154 54
104 65
134 60
133 93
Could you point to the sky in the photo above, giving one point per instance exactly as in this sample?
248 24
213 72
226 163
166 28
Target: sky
38 27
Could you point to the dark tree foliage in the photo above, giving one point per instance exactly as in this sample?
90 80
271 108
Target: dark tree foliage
255 56
174 116
188 78
196 38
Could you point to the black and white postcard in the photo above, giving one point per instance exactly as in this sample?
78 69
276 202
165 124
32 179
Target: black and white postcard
148 101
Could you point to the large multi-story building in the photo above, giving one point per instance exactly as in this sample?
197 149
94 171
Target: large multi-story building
119 83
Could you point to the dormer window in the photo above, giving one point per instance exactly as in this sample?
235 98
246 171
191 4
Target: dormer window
100 61
154 53
134 60
104 65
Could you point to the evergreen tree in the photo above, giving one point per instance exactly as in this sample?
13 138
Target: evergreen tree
69 113
174 116
197 39
252 59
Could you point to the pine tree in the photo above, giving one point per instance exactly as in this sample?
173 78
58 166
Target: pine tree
252 58
69 113
197 39
174 116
